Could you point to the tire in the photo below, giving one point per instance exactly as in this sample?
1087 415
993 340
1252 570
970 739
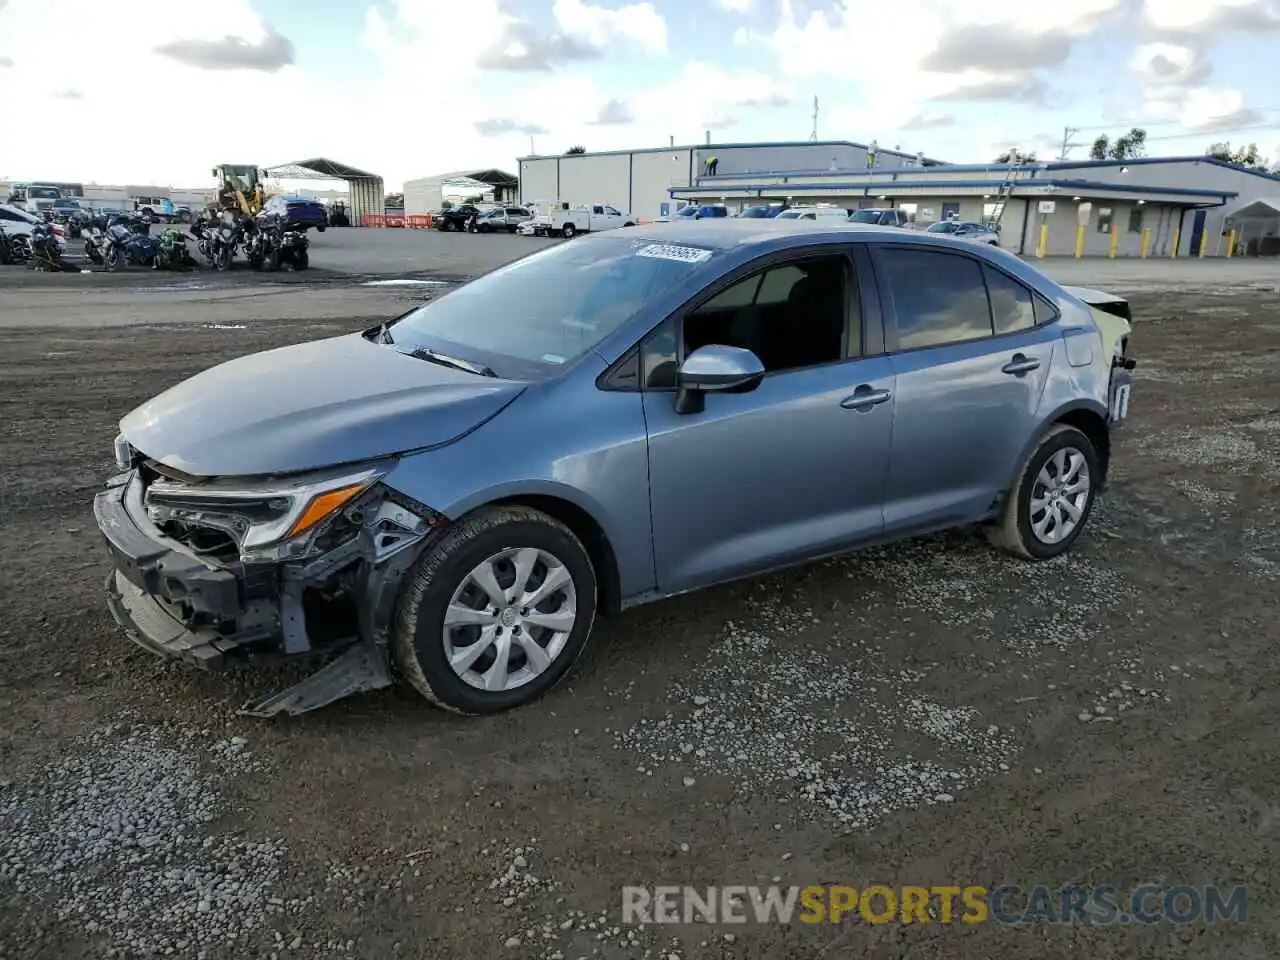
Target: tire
568 230
271 263
223 259
628 224
301 260
321 227
418 636
1014 532
115 259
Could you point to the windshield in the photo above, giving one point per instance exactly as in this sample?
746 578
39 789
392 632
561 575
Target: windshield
43 193
67 202
688 211
865 216
792 214
766 211
946 226
531 317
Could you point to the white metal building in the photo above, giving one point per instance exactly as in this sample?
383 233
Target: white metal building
1165 199
426 195
642 181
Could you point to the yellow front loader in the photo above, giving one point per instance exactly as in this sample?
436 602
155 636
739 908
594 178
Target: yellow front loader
240 188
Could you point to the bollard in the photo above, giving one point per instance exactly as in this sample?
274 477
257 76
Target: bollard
1146 241
1043 243
1177 239
1204 235
1079 241
1115 242
1231 244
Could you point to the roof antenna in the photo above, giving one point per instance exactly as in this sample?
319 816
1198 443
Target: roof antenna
813 135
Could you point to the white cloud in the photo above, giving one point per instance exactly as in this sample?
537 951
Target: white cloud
1203 110
638 23
1168 64
1198 17
710 97
736 6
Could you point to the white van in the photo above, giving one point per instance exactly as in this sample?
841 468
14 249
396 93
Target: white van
829 214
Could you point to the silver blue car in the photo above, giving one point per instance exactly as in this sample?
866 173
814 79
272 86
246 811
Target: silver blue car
451 498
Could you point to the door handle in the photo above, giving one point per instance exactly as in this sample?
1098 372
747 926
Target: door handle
864 398
1020 364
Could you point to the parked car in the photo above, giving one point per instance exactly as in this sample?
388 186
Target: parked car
565 221
19 222
828 214
697 211
299 213
881 216
457 218
474 485
967 230
503 220
762 211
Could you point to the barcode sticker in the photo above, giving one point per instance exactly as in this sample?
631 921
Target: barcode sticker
672 251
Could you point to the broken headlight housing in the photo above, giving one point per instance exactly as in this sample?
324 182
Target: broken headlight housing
277 518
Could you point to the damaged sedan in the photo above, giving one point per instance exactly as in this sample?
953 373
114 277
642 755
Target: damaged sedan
450 498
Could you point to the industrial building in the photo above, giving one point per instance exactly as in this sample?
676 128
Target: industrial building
1124 207
642 182
1101 206
427 194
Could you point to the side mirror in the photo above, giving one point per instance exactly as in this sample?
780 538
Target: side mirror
715 368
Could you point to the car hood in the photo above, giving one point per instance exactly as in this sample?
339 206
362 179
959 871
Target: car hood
312 405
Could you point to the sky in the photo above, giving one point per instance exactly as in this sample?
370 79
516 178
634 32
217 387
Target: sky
159 91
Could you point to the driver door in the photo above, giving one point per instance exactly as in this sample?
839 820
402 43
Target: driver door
791 470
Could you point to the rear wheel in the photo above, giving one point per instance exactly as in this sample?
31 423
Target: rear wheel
1047 511
301 260
568 230
497 612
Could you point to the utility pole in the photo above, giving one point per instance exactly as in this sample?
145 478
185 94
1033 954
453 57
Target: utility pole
1067 134
813 135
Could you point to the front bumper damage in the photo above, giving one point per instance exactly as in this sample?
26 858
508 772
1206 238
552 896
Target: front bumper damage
178 602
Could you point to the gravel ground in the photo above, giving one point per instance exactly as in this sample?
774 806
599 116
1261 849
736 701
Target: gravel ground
926 713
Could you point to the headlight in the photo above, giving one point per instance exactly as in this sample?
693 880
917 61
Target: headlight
274 519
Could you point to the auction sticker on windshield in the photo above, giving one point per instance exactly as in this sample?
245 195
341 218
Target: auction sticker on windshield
673 251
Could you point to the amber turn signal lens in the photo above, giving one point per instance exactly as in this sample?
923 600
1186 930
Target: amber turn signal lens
323 505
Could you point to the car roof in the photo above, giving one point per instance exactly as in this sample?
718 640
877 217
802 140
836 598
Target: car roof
733 233
25 214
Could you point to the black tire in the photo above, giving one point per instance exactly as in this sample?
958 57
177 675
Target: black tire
1013 532
568 230
417 634
255 262
272 261
321 227
116 259
223 259
301 260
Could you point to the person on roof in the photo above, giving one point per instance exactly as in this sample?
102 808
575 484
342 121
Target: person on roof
711 164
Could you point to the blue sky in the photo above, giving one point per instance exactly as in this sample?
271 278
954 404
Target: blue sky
409 88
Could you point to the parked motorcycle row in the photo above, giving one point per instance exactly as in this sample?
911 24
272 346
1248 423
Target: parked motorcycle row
267 241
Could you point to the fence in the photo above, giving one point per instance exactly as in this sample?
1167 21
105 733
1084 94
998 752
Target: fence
413 221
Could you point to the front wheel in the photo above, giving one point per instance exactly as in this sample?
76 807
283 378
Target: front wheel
497 612
115 259
1047 510
301 260
568 230
321 227
222 259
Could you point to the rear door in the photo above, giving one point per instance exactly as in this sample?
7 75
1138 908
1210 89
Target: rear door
970 363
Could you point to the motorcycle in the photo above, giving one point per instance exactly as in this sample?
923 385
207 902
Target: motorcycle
273 245
46 256
217 240
127 240
77 221
172 252
11 250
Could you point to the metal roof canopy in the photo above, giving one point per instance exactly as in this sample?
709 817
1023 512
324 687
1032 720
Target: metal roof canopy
1261 209
491 178
364 190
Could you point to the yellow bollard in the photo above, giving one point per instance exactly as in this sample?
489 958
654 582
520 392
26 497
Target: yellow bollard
1115 242
1146 242
1043 244
1204 235
1231 244
1177 239
1079 242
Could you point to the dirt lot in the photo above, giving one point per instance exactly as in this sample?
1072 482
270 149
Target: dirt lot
929 713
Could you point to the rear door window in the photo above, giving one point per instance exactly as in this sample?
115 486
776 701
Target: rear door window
1012 305
938 298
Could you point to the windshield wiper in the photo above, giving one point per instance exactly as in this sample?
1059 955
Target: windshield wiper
424 353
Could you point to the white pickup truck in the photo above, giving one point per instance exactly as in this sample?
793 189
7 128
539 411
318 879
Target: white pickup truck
562 220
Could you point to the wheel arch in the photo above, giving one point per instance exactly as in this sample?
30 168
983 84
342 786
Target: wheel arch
582 518
1087 416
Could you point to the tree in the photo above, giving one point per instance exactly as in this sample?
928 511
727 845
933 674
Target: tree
1016 156
1127 146
577 148
1241 157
